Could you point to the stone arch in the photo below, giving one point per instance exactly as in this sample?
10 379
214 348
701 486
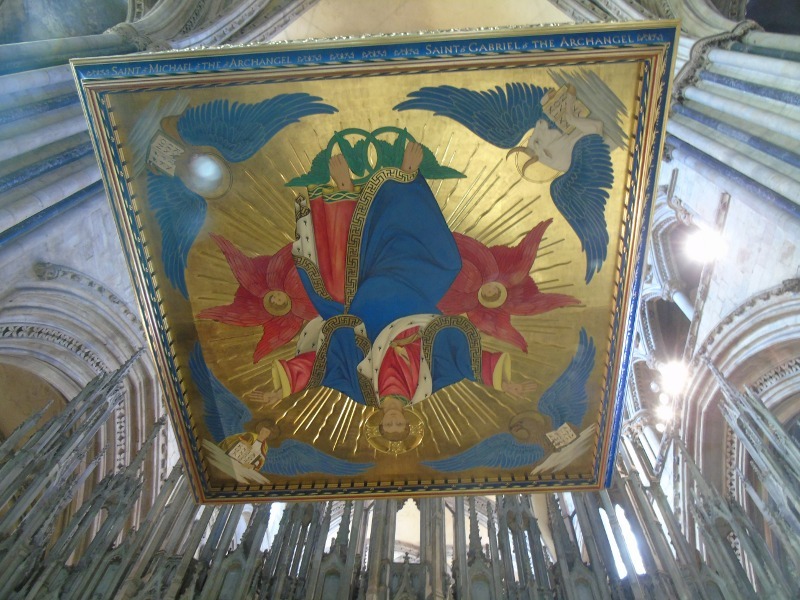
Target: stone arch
712 589
65 328
648 337
31 394
663 266
756 345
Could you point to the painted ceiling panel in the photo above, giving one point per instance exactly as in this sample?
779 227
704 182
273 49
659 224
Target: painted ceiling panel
390 266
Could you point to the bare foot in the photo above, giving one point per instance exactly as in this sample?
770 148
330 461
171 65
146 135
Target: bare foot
412 158
340 173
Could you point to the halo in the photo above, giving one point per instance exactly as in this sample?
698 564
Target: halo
277 310
489 301
381 444
546 173
537 436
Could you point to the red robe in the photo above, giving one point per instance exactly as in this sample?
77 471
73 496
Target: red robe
399 372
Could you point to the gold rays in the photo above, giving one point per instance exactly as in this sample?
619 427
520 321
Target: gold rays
281 219
314 408
493 230
331 409
492 205
460 415
455 418
445 204
468 201
339 433
329 419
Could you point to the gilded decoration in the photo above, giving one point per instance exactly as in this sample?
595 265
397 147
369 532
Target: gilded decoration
396 265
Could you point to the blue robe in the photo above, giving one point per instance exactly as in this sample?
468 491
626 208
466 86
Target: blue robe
407 261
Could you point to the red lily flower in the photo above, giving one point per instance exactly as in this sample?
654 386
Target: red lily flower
494 283
270 295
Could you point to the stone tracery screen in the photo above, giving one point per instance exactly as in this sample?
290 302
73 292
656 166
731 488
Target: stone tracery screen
398 265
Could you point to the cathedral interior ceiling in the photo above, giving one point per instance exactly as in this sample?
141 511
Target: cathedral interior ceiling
303 324
60 327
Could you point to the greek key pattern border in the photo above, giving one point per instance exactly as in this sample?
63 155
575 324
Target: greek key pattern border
363 204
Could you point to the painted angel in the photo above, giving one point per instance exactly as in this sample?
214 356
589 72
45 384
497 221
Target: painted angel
559 411
189 157
562 136
246 441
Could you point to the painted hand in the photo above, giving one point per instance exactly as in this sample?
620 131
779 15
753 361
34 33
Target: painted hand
412 158
520 390
340 172
265 398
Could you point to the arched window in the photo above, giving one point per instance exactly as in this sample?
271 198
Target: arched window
631 547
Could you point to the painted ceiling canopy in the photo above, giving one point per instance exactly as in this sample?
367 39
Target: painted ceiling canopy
395 265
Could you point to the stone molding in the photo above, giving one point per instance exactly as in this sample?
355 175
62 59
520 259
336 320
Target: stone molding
698 56
68 327
272 20
201 23
132 35
49 271
198 15
742 314
661 8
56 337
731 463
577 10
786 370
736 346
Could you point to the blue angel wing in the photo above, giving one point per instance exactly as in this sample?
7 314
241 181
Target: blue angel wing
500 451
147 125
238 131
296 458
580 195
566 400
180 213
225 414
501 117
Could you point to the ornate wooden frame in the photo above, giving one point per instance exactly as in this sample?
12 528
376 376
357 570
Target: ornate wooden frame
387 92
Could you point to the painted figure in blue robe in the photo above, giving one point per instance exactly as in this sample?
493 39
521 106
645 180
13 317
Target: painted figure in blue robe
375 261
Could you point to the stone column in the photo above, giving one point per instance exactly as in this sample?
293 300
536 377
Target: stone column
636 586
540 570
381 548
217 572
504 547
494 554
433 550
196 533
655 535
565 550
352 563
47 53
682 300
758 172
598 566
460 549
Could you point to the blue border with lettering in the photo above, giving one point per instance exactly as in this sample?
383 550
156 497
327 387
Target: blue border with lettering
285 55
279 56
